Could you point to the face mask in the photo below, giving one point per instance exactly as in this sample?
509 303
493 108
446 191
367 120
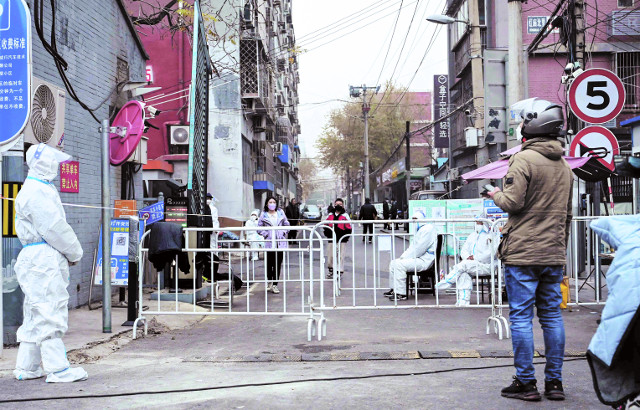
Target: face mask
272 207
519 133
208 202
253 217
479 228
339 209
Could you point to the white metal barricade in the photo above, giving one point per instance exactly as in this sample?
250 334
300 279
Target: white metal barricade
299 276
360 287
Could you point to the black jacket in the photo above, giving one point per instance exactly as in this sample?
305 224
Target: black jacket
385 210
293 214
368 212
165 242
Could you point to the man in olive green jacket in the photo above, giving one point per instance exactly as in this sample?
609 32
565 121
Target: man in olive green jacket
537 196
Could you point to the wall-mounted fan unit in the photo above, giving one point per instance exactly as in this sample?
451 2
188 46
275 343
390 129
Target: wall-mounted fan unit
46 121
123 145
179 134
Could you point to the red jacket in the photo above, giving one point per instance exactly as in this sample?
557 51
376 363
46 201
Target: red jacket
340 229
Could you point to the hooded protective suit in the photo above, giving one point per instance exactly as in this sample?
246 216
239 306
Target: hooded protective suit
253 239
418 257
42 269
480 246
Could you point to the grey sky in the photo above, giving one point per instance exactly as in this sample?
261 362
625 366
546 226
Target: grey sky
356 50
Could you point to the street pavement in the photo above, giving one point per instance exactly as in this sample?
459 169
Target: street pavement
409 358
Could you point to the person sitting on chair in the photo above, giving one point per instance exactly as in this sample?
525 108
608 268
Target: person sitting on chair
476 257
418 257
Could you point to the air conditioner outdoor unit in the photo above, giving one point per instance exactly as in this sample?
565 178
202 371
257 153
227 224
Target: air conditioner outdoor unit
277 149
179 134
46 121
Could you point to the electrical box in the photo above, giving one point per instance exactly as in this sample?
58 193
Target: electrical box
471 136
139 156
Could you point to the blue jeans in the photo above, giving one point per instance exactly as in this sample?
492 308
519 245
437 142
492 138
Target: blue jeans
527 285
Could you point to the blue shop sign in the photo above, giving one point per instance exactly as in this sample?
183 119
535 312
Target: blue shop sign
15 68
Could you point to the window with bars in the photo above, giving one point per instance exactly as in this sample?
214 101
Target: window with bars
625 3
628 69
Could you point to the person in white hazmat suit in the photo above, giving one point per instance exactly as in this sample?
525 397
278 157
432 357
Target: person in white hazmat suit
49 247
254 240
476 258
419 256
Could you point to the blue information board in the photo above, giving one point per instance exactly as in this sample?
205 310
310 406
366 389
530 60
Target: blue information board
119 254
152 213
15 68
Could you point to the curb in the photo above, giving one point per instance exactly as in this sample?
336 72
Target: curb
365 356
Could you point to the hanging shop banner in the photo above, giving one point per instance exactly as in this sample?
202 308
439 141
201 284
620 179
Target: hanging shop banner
70 177
119 259
441 109
15 69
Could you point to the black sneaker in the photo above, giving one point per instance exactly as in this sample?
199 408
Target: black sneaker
523 391
553 390
388 293
398 296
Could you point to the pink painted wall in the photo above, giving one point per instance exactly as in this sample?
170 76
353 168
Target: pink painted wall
170 60
545 75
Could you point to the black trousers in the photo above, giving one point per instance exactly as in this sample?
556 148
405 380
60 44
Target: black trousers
274 266
292 234
367 227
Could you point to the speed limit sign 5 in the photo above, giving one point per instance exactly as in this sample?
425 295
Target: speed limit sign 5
596 96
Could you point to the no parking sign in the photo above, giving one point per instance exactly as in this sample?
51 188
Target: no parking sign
596 96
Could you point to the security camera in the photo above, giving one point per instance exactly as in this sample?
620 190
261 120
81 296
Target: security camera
153 111
467 112
569 68
577 72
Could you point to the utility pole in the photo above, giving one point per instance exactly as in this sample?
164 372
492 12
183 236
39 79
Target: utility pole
366 107
407 161
515 90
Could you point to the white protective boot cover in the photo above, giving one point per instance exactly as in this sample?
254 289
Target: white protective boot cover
464 286
56 365
28 362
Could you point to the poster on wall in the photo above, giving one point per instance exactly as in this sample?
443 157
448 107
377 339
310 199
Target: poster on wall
119 259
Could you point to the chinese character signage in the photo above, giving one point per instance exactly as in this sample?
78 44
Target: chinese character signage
15 68
441 109
70 177
624 23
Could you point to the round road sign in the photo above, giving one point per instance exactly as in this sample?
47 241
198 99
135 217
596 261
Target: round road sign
598 142
596 96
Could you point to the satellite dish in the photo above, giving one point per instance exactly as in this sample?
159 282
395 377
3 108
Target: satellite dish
131 117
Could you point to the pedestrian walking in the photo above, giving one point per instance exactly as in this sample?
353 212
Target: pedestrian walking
394 212
386 213
537 196
275 239
293 215
49 247
367 212
342 228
